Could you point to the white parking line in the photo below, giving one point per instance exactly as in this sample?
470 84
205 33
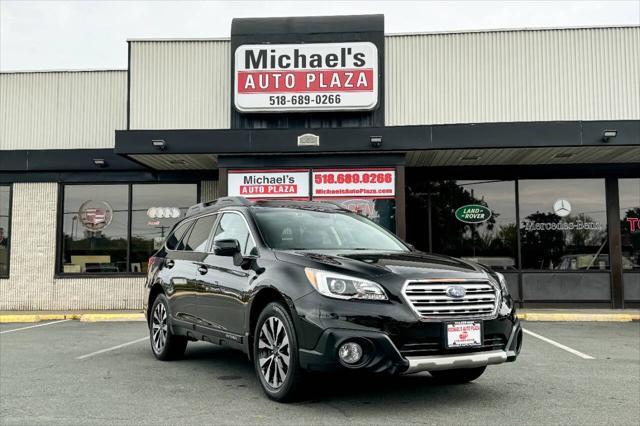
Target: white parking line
113 348
559 345
33 326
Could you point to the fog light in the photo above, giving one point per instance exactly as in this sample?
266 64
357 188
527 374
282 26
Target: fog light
350 353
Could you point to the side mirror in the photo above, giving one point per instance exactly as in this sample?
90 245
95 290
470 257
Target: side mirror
226 247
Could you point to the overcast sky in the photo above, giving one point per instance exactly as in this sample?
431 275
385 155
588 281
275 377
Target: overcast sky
37 35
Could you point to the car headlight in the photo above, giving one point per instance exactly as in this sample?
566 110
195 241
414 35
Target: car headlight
343 286
503 283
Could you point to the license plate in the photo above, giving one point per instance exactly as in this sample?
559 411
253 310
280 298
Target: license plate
463 334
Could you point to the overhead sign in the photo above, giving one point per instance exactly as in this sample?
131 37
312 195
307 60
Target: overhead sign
473 213
306 77
289 184
370 183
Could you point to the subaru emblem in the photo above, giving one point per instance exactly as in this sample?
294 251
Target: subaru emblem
456 292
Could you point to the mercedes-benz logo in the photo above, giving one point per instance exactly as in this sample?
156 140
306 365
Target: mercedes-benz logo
562 207
456 292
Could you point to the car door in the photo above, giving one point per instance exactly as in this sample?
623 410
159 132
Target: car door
194 250
223 307
177 274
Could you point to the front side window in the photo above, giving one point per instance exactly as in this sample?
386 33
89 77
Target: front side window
233 227
117 228
297 229
563 224
5 202
630 223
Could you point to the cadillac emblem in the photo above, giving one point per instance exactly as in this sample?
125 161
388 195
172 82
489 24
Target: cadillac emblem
95 215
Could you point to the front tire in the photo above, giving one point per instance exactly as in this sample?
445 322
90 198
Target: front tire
275 353
164 343
463 375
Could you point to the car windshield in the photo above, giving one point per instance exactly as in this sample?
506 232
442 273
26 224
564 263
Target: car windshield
298 229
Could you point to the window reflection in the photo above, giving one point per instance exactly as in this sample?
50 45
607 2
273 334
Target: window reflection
563 224
475 220
95 222
4 230
155 209
630 223
380 211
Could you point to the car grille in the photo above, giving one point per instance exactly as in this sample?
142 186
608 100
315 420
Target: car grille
433 346
430 300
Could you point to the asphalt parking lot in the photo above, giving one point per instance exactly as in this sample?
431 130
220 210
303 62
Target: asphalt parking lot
104 373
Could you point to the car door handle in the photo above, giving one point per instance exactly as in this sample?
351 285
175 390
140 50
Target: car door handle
169 264
203 269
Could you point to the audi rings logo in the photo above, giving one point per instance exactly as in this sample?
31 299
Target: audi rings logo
163 213
562 208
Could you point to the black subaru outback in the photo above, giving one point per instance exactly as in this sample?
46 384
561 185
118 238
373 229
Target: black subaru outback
309 286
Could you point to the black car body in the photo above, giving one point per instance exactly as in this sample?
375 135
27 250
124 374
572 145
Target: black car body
218 292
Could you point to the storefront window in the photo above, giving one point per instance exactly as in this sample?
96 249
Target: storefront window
96 237
95 224
563 224
380 211
155 209
630 223
474 220
5 202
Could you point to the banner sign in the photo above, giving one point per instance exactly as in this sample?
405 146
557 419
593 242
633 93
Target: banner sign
290 184
306 77
370 183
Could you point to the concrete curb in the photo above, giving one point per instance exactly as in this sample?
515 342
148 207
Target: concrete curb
139 316
89 317
578 317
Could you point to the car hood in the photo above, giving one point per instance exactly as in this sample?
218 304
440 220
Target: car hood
409 265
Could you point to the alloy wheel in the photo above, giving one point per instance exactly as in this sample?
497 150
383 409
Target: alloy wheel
159 327
273 352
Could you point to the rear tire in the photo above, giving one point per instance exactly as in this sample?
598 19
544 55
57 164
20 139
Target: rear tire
275 354
463 375
165 345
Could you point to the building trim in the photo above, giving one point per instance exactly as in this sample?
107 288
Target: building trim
395 138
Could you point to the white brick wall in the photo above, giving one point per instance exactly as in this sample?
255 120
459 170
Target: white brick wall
31 284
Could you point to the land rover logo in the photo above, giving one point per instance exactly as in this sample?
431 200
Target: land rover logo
562 208
456 292
473 213
95 215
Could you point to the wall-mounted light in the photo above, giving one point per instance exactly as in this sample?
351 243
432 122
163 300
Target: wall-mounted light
608 134
376 141
100 162
159 144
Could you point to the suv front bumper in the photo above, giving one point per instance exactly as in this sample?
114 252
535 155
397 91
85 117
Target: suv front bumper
381 355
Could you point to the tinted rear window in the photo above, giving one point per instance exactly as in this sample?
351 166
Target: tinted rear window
176 236
197 240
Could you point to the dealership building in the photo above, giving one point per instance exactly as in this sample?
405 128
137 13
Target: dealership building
519 149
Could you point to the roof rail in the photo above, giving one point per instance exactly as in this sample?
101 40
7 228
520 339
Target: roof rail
218 202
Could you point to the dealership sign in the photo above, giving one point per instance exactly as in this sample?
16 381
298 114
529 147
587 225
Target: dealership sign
306 77
473 213
370 183
269 183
